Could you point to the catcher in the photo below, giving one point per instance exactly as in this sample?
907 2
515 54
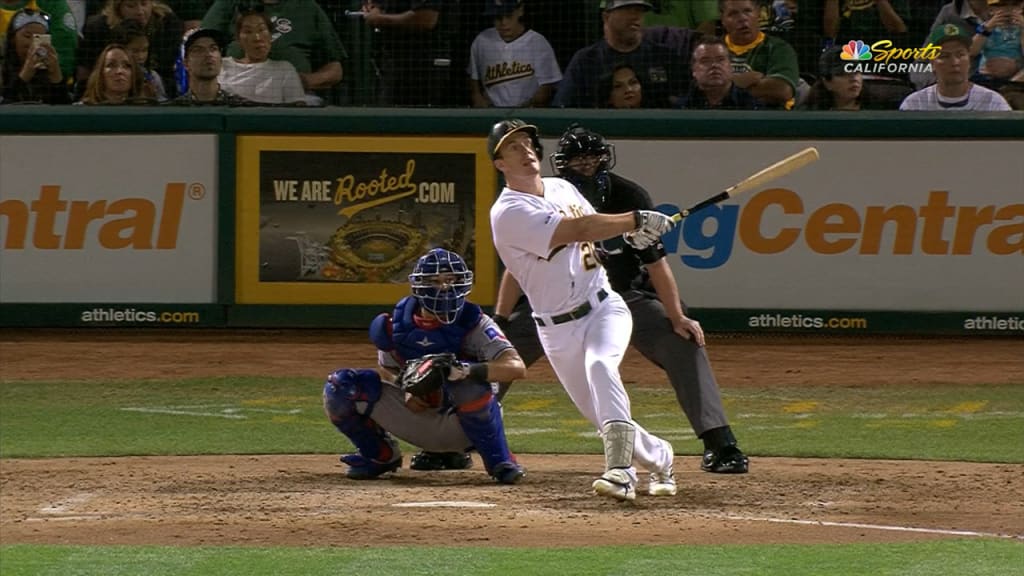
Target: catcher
442 353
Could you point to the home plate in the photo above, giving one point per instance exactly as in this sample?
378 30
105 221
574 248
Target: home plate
444 504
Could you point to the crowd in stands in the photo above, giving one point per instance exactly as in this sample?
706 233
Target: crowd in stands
674 54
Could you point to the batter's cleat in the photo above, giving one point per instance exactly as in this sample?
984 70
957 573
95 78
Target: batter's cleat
441 461
616 483
360 468
508 473
727 460
662 483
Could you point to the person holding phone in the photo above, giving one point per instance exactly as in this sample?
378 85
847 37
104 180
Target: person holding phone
31 70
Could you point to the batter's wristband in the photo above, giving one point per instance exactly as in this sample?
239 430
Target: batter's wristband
479 371
638 219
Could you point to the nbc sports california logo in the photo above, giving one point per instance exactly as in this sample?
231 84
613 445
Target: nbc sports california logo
882 58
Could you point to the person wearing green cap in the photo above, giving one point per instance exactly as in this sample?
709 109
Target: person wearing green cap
953 89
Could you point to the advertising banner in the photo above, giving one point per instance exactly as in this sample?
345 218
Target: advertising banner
108 219
342 220
873 225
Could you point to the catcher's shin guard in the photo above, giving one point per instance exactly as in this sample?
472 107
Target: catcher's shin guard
482 423
349 396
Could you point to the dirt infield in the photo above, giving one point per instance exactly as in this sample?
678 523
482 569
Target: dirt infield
305 500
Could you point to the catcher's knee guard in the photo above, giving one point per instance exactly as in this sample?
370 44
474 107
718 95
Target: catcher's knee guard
349 396
482 423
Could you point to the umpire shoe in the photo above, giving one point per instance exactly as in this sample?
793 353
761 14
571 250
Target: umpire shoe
441 461
726 460
616 483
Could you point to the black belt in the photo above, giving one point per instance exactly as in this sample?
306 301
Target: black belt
576 313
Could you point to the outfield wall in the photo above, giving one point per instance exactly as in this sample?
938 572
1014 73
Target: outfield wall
909 223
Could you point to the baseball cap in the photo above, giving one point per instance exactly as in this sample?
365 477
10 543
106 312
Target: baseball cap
501 7
216 35
945 32
831 62
613 4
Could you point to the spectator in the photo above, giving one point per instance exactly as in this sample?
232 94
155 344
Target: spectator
416 52
623 88
163 28
203 62
63 30
510 65
699 15
764 65
663 76
190 11
835 88
115 79
953 89
966 13
31 70
302 34
133 37
799 24
254 76
1000 44
872 21
713 87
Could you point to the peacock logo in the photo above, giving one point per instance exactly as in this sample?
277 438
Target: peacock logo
856 50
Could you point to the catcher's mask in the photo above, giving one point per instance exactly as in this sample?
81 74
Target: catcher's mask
584 158
441 281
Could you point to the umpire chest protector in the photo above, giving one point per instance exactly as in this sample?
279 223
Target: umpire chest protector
401 334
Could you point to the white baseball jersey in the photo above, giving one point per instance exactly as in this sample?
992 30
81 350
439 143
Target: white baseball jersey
978 99
511 72
554 279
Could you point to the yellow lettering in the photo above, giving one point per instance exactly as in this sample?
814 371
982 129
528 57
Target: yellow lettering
46 209
874 224
1001 240
393 188
17 223
170 217
818 225
967 224
750 221
135 231
82 212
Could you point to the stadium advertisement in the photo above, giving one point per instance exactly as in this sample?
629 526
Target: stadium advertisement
872 225
341 220
109 219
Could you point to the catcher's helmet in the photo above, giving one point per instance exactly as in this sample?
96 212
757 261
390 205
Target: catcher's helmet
577 142
442 299
504 129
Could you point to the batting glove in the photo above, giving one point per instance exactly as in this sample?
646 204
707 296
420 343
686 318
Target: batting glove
653 222
640 239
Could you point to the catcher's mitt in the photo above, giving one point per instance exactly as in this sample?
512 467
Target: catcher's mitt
425 375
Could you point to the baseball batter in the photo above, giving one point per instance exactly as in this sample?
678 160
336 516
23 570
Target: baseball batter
544 231
464 414
662 331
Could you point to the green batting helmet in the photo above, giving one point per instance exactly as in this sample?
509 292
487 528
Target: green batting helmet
502 130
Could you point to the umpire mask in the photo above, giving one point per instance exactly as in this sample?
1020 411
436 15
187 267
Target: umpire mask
584 159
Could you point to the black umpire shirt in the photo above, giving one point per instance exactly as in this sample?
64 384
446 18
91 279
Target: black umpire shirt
623 263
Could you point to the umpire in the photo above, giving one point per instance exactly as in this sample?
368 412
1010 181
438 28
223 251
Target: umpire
661 330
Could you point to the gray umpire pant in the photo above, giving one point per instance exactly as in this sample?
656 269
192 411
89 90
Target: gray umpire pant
686 364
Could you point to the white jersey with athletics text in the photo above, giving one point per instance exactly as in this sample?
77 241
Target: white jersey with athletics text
554 279
977 99
512 72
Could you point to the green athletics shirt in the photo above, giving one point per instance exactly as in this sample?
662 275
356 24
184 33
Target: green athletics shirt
769 55
63 28
302 32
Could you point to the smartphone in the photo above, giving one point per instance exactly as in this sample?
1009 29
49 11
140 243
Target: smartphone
40 39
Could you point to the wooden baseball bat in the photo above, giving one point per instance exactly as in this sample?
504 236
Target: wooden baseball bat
756 180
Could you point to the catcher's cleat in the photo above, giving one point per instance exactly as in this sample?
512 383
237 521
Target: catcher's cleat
508 473
662 483
441 461
360 468
726 460
616 483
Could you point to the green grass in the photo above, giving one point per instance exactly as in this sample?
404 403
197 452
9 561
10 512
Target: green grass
266 416
963 558
283 416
